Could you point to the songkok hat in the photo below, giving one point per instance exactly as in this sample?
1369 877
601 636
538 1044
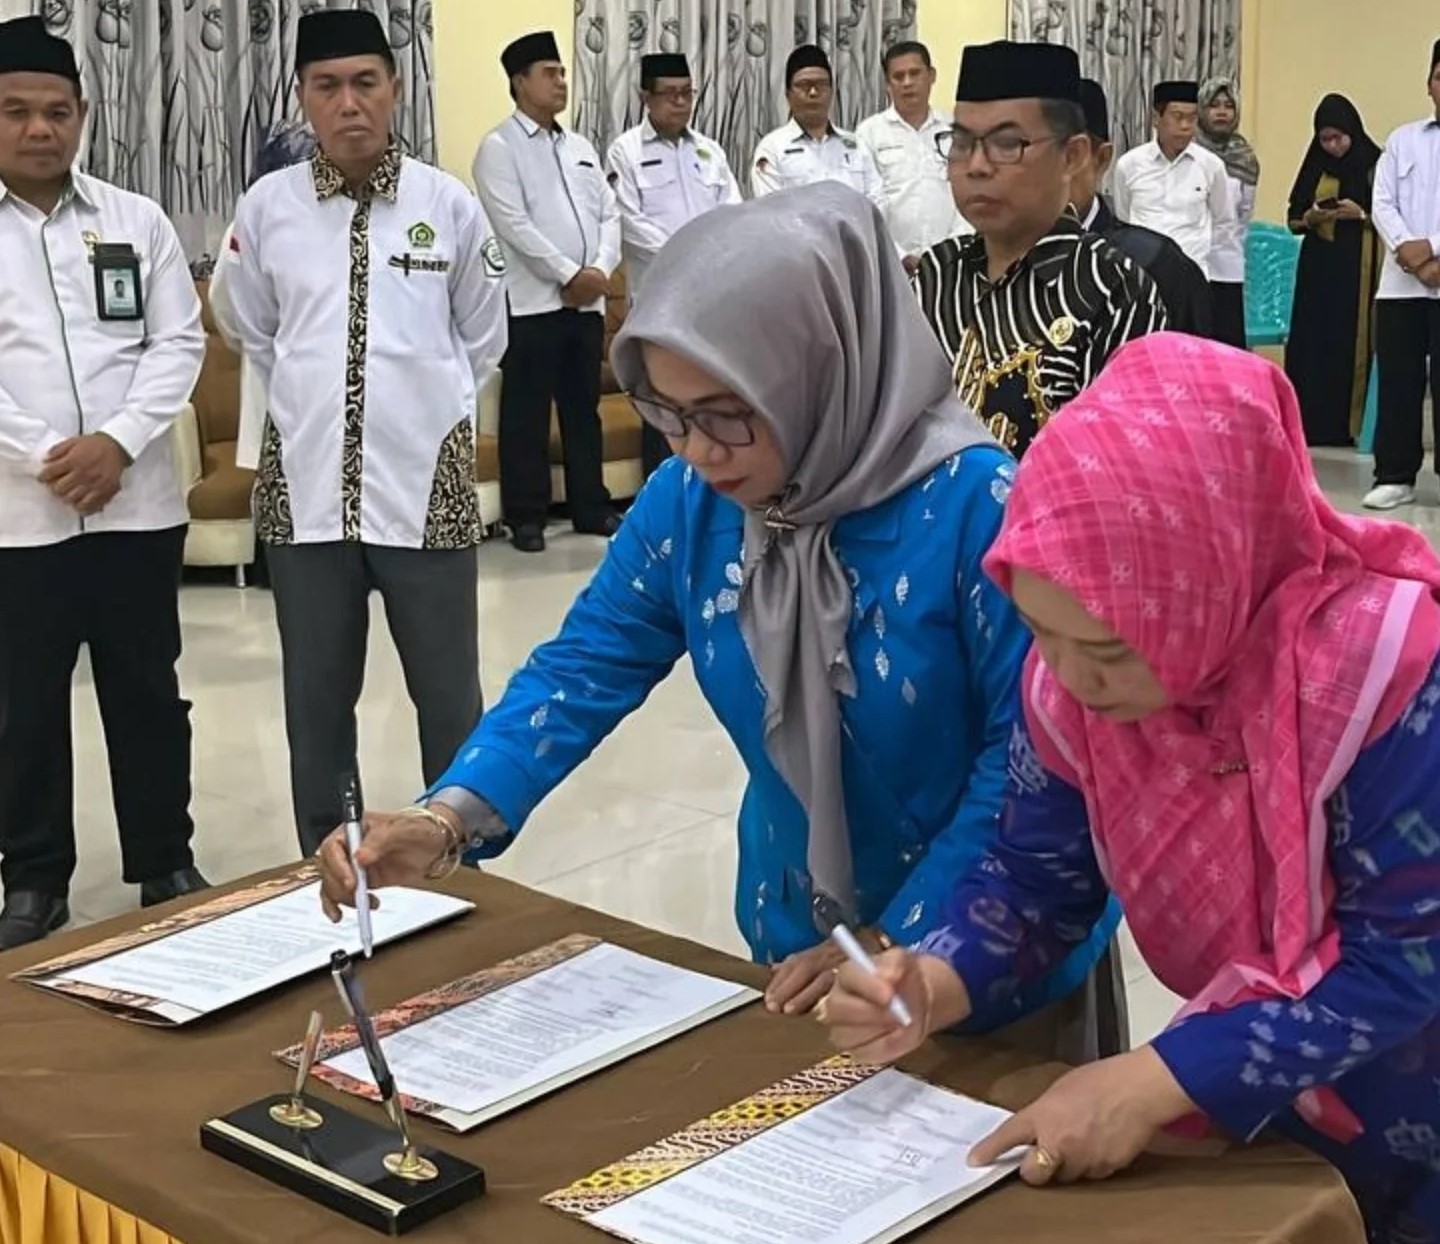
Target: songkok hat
529 50
1167 93
1097 109
332 34
806 56
1007 70
27 47
663 65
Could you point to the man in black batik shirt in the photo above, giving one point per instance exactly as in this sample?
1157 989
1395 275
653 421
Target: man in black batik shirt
1032 306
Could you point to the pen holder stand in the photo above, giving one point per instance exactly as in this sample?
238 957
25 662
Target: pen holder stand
346 1163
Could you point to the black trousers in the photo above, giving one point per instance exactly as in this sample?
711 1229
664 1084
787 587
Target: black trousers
1407 351
322 605
556 358
117 593
1227 313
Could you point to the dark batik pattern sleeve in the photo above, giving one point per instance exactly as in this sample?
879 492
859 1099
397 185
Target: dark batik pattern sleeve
1033 899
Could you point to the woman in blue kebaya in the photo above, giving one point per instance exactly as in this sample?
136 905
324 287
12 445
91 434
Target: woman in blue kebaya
815 549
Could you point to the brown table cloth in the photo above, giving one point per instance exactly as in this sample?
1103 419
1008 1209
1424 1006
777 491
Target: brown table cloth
115 1109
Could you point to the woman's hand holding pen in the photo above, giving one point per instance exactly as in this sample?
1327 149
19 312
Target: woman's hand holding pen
857 1011
398 848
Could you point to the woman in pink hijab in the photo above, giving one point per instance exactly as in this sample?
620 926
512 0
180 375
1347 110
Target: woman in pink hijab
1232 723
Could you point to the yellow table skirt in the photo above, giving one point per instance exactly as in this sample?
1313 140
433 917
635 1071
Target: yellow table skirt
37 1207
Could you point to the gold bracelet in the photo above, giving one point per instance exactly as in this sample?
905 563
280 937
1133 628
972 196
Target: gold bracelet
448 862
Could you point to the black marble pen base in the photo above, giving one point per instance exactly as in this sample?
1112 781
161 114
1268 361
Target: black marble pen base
342 1165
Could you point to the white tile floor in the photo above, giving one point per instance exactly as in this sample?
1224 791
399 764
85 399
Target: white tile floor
645 829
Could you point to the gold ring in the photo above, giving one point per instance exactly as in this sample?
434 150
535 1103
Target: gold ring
1045 1159
822 1011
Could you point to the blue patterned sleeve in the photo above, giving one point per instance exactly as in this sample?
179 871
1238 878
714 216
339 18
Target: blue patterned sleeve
621 637
994 641
1035 898
1244 1065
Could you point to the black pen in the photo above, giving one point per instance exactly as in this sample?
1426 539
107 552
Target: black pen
342 969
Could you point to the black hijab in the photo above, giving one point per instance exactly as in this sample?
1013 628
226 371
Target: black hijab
1353 170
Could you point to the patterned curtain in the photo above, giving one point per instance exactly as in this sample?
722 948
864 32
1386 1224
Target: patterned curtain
184 94
737 51
1129 45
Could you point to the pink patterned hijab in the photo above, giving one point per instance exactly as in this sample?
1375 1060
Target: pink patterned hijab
1175 500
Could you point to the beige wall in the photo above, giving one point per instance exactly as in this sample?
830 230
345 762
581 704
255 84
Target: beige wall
470 93
946 26
1305 48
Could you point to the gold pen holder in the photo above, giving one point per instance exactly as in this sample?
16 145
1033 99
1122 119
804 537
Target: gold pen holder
411 1166
296 1114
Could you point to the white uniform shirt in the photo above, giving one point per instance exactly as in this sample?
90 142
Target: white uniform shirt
372 325
1406 206
662 185
553 211
1187 198
251 423
1227 254
789 157
64 372
918 203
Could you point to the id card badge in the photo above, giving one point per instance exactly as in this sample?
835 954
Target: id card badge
118 295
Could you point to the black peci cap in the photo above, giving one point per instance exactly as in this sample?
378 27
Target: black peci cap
1097 109
1008 70
806 56
529 50
1167 93
663 65
332 34
27 47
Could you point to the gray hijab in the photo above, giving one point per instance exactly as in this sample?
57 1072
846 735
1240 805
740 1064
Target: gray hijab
797 303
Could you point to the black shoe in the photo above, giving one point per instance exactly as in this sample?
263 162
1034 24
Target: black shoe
163 889
528 538
28 916
605 524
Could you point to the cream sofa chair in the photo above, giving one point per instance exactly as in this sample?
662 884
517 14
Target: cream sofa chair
222 532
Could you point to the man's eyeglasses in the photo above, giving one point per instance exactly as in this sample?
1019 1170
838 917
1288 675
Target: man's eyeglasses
675 95
814 88
958 146
724 427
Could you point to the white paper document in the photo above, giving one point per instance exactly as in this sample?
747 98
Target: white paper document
498 1052
869 1166
236 956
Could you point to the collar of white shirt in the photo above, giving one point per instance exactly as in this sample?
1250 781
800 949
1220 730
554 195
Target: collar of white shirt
383 183
1160 157
75 188
533 127
892 115
649 134
796 133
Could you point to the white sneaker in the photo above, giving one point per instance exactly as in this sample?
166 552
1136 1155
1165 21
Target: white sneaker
1389 496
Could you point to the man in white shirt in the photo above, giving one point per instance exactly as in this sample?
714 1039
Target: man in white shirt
808 148
665 174
1406 210
1172 184
369 296
92 518
904 140
559 225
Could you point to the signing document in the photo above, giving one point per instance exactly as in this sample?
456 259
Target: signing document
867 1166
212 965
507 1048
